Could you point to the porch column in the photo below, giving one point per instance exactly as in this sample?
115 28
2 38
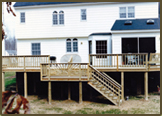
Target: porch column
3 81
25 85
80 92
49 92
146 85
122 85
69 96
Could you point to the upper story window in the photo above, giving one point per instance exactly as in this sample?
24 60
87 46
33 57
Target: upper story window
127 12
55 20
22 17
36 49
83 14
61 17
58 18
72 45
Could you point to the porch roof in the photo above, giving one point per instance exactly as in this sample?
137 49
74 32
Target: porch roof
136 24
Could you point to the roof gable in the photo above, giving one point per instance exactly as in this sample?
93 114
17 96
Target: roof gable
137 24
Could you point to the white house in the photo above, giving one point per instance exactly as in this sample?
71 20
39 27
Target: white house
63 29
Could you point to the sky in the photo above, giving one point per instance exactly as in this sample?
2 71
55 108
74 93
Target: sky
9 22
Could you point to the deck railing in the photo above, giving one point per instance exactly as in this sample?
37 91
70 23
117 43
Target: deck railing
49 70
119 60
24 61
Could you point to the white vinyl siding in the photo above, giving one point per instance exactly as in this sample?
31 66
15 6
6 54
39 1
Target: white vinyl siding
100 18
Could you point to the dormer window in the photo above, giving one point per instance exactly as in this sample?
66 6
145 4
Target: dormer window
150 21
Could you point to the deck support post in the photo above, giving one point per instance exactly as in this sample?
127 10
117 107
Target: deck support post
25 85
3 81
69 96
49 92
146 85
122 85
80 92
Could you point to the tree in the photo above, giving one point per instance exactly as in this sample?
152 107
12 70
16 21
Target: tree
9 9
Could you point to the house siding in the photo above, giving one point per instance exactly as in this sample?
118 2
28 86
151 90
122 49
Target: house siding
53 47
100 18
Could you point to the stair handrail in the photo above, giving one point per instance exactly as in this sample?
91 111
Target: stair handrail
108 78
110 82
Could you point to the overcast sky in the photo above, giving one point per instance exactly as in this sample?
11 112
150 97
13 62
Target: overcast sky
9 22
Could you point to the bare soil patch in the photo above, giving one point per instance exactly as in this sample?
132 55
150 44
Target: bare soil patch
132 106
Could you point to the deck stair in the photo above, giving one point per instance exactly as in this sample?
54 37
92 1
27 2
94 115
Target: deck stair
105 85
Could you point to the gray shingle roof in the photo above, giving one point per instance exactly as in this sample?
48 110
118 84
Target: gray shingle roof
20 4
137 24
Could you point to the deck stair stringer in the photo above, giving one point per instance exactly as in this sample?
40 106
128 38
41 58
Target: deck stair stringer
105 85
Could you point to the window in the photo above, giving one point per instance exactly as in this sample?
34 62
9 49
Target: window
55 21
130 12
22 17
61 17
72 45
68 45
83 14
101 47
122 12
75 45
127 12
36 49
58 18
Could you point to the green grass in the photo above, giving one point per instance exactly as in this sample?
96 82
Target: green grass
9 81
67 112
135 97
55 108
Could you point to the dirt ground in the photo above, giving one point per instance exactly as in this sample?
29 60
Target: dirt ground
132 106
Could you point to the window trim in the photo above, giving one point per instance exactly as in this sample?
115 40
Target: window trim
81 15
72 47
35 43
127 12
24 18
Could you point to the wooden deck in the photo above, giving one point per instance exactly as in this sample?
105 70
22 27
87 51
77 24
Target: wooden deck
92 72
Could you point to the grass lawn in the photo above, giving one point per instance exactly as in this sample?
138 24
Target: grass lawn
9 81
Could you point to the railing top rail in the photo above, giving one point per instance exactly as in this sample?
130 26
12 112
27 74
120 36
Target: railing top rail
119 54
63 63
28 56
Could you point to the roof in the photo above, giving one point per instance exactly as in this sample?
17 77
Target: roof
100 34
20 4
137 24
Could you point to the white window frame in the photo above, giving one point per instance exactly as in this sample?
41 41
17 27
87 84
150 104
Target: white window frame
127 11
22 17
72 45
35 50
84 14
